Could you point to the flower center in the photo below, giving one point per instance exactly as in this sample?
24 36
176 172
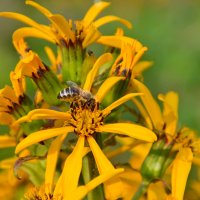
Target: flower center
86 116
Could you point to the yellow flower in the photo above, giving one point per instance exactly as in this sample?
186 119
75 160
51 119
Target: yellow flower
126 63
85 118
165 123
30 65
61 31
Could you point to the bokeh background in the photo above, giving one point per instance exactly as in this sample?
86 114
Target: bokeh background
169 28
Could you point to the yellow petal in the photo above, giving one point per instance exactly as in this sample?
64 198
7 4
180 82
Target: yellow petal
156 191
63 26
180 171
117 41
42 9
107 19
170 111
39 136
72 169
141 66
59 185
112 186
8 93
25 20
43 114
50 54
29 32
131 130
81 191
144 113
93 72
91 36
103 164
150 104
106 86
139 153
6 118
139 55
120 101
7 163
94 11
19 85
7 141
58 20
52 158
196 161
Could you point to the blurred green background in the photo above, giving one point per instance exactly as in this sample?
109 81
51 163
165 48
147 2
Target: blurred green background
169 28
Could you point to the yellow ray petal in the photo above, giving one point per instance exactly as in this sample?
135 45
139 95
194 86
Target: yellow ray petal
132 130
106 86
7 141
72 169
8 93
120 101
139 55
117 41
93 72
81 191
170 111
156 191
58 20
42 9
59 185
7 163
43 114
6 118
103 164
50 54
104 20
19 85
144 113
25 20
29 32
196 161
42 135
63 26
52 158
180 171
112 186
149 103
91 36
141 66
94 11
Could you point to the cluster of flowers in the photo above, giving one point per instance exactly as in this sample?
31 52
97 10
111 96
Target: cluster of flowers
69 140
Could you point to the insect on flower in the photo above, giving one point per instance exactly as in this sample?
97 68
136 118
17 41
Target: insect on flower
74 93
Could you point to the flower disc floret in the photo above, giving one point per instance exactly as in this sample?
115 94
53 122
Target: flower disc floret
86 117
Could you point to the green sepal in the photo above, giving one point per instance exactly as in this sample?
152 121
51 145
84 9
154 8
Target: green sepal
72 60
50 87
156 162
35 170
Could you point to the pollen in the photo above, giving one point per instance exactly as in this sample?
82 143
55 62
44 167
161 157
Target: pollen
86 117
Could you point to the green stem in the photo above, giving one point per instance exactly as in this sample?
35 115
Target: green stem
141 190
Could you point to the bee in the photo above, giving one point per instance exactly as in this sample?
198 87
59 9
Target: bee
73 93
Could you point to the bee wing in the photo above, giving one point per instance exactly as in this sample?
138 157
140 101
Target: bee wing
72 84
